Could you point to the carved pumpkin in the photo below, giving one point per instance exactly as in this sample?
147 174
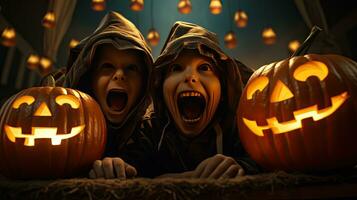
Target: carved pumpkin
300 114
50 132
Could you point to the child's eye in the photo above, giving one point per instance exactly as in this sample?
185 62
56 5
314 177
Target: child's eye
205 67
132 67
107 66
175 68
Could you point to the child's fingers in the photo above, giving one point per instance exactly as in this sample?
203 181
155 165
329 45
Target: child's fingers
212 165
119 166
222 168
130 171
241 172
98 169
108 168
231 172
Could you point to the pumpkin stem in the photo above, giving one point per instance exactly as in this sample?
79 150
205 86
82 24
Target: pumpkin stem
48 80
308 42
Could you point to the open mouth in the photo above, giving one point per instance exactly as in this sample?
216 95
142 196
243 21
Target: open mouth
117 100
191 105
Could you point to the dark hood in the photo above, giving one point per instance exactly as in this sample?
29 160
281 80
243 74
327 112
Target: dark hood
121 33
186 35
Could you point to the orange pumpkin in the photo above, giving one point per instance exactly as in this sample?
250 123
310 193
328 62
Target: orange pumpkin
299 114
50 132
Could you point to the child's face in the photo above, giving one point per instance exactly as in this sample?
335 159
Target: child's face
192 92
117 81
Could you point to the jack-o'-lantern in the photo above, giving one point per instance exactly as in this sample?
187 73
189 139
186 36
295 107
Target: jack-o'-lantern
50 132
241 18
153 37
184 6
299 114
33 61
230 40
137 5
98 5
269 36
8 37
49 20
45 66
215 6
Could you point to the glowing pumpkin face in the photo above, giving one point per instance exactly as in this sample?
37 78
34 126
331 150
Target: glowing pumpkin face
58 132
43 111
298 114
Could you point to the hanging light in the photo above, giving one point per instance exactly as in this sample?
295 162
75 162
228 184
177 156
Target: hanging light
269 36
49 20
241 18
293 45
98 5
184 6
45 66
73 43
215 6
8 37
33 61
153 37
230 40
137 5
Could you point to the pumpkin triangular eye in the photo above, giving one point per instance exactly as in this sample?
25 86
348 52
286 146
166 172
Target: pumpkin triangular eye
43 110
280 93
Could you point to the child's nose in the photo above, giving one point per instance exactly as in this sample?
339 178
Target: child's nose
119 75
191 78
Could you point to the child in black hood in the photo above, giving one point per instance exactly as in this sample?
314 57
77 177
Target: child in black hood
114 66
193 129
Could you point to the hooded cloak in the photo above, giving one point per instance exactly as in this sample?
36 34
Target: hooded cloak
173 152
122 34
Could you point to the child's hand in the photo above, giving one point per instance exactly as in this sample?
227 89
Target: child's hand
218 166
112 168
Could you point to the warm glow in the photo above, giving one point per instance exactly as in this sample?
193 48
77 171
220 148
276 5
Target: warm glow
45 63
68 99
230 40
43 110
40 133
137 5
8 37
311 68
293 45
184 6
215 6
98 5
24 99
241 18
258 84
33 61
280 93
269 36
309 112
153 37
49 19
73 43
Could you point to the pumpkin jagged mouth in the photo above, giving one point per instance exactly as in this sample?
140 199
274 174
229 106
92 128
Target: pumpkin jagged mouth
40 133
308 112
